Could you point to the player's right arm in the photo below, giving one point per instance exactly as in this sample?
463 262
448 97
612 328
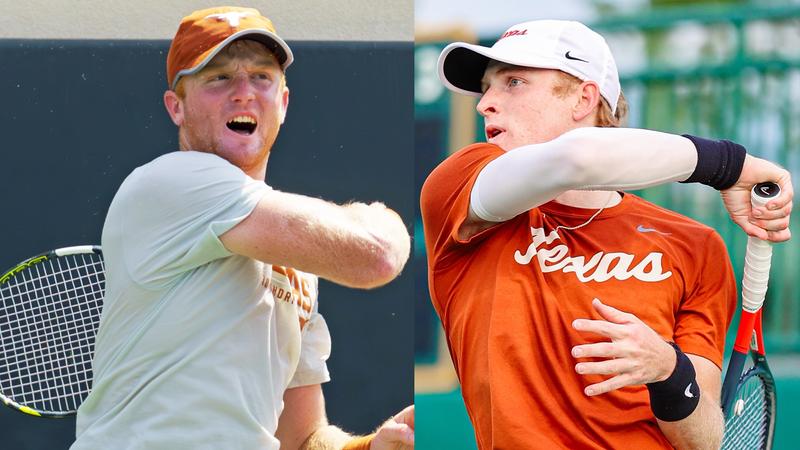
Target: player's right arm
608 159
770 222
356 245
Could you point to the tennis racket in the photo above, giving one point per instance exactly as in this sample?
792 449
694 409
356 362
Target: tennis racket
50 312
748 396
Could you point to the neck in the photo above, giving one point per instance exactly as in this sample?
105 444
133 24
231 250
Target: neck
589 199
258 173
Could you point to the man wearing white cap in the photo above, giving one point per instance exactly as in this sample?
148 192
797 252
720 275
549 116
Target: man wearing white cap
210 336
580 316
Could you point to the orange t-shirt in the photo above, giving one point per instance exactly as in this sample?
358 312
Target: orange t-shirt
508 295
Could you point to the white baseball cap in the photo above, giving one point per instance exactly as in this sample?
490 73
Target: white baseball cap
546 44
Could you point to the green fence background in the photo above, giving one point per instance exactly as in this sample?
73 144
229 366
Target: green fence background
716 71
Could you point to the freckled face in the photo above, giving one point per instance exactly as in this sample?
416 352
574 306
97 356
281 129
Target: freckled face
235 106
519 106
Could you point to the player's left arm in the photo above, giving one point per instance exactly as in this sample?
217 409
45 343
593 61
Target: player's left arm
303 425
704 427
637 355
303 414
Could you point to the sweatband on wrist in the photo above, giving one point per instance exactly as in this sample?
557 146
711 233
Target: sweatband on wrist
359 443
676 397
719 163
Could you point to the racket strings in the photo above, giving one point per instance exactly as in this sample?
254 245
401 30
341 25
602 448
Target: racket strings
748 426
22 327
63 268
49 353
50 314
20 318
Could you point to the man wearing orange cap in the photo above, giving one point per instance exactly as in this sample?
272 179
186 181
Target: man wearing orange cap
210 336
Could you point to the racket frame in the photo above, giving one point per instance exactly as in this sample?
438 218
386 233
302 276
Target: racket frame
759 369
11 273
749 336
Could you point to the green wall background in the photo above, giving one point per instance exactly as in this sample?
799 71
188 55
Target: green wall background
78 116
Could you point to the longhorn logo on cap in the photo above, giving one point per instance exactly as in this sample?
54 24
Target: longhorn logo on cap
232 17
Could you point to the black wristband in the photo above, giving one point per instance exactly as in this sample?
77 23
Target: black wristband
719 163
676 397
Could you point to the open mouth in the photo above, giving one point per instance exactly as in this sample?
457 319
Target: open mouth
492 132
244 125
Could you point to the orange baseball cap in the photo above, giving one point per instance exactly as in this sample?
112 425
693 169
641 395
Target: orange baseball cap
202 34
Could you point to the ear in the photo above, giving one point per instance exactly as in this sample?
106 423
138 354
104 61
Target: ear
174 107
284 103
587 102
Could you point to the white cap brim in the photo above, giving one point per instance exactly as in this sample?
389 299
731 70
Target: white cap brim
462 65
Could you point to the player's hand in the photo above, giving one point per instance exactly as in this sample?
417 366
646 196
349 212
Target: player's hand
770 222
635 355
396 433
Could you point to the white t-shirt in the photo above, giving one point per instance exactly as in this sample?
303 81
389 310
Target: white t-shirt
196 345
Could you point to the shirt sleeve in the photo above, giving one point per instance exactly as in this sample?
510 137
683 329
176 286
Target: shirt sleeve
315 348
175 209
445 197
705 313
586 158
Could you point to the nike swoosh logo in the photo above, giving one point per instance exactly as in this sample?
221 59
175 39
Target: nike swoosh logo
642 229
568 56
688 392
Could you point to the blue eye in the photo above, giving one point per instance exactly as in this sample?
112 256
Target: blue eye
514 82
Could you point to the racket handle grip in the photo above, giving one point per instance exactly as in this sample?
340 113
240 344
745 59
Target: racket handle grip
758 256
756 274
